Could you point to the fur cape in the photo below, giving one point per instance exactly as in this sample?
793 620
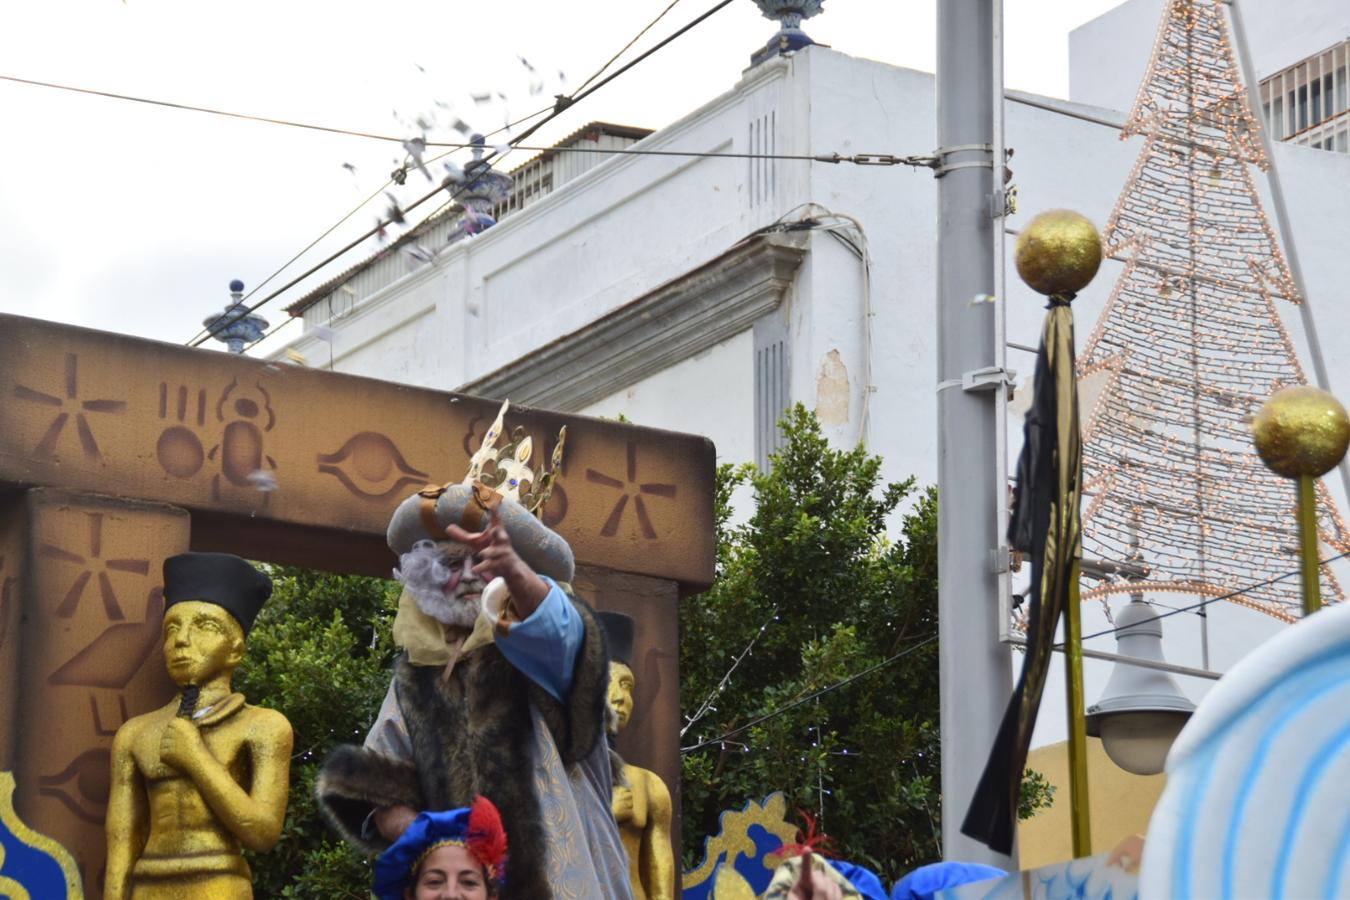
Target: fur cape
472 735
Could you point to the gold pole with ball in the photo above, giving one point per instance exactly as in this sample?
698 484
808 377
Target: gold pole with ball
1057 255
1302 433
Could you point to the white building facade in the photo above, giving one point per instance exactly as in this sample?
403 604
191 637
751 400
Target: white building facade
658 287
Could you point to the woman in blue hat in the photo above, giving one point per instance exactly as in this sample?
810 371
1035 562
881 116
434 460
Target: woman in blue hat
457 854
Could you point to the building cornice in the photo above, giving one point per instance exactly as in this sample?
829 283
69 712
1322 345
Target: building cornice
672 323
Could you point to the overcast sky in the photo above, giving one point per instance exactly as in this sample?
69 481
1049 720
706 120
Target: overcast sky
134 218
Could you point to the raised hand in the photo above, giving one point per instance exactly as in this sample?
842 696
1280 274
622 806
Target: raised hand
494 557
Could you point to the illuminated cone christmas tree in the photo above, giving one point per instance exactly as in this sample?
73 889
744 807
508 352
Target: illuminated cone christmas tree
1191 344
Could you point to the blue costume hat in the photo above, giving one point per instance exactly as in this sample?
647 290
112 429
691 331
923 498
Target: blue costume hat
925 881
477 829
861 877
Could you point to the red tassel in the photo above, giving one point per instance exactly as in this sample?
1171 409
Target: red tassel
486 838
807 840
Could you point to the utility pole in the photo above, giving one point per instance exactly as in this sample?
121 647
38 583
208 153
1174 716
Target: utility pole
974 668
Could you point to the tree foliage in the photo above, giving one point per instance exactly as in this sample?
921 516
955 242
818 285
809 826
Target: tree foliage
818 592
810 582
319 653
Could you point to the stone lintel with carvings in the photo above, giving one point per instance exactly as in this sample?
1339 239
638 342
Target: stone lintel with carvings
297 465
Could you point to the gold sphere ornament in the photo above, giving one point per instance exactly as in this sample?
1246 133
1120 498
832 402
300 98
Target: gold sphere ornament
1058 252
1301 431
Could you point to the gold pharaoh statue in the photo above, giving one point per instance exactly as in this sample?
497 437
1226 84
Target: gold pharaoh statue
641 800
206 775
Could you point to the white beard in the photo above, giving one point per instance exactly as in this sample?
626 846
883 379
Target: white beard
455 612
427 569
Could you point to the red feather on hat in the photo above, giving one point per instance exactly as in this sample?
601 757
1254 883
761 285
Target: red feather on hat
486 838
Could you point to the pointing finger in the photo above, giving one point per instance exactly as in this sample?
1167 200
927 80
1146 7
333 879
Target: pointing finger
808 871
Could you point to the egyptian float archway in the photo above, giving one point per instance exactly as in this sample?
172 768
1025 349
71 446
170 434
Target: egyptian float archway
116 453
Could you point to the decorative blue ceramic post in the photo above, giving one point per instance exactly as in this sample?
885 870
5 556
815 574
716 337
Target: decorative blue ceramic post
484 188
790 36
236 327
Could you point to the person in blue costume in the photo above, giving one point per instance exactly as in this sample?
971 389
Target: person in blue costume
500 690
456 854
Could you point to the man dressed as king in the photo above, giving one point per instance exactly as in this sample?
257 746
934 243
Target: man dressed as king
500 688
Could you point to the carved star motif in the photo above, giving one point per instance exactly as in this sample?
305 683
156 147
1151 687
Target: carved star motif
632 490
68 405
94 566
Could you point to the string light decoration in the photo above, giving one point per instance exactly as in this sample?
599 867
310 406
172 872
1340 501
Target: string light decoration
1190 344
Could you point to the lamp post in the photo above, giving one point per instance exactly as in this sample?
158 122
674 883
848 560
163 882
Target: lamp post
975 678
1141 710
236 327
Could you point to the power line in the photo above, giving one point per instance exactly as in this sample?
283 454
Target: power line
882 159
334 227
205 333
290 123
799 701
637 37
562 103
906 652
926 161
1203 603
209 110
219 325
579 94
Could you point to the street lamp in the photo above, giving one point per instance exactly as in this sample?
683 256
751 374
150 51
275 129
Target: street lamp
1142 710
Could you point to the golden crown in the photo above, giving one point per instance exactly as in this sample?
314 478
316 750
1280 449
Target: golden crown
507 470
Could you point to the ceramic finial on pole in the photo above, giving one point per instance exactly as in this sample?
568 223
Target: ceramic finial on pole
1302 433
237 326
790 37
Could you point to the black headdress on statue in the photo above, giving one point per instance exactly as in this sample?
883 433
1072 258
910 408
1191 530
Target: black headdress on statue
618 636
220 578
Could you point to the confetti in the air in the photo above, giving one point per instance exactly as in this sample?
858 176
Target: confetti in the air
393 213
418 253
416 148
262 480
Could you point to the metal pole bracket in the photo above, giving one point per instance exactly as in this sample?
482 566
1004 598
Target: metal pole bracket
943 167
990 378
